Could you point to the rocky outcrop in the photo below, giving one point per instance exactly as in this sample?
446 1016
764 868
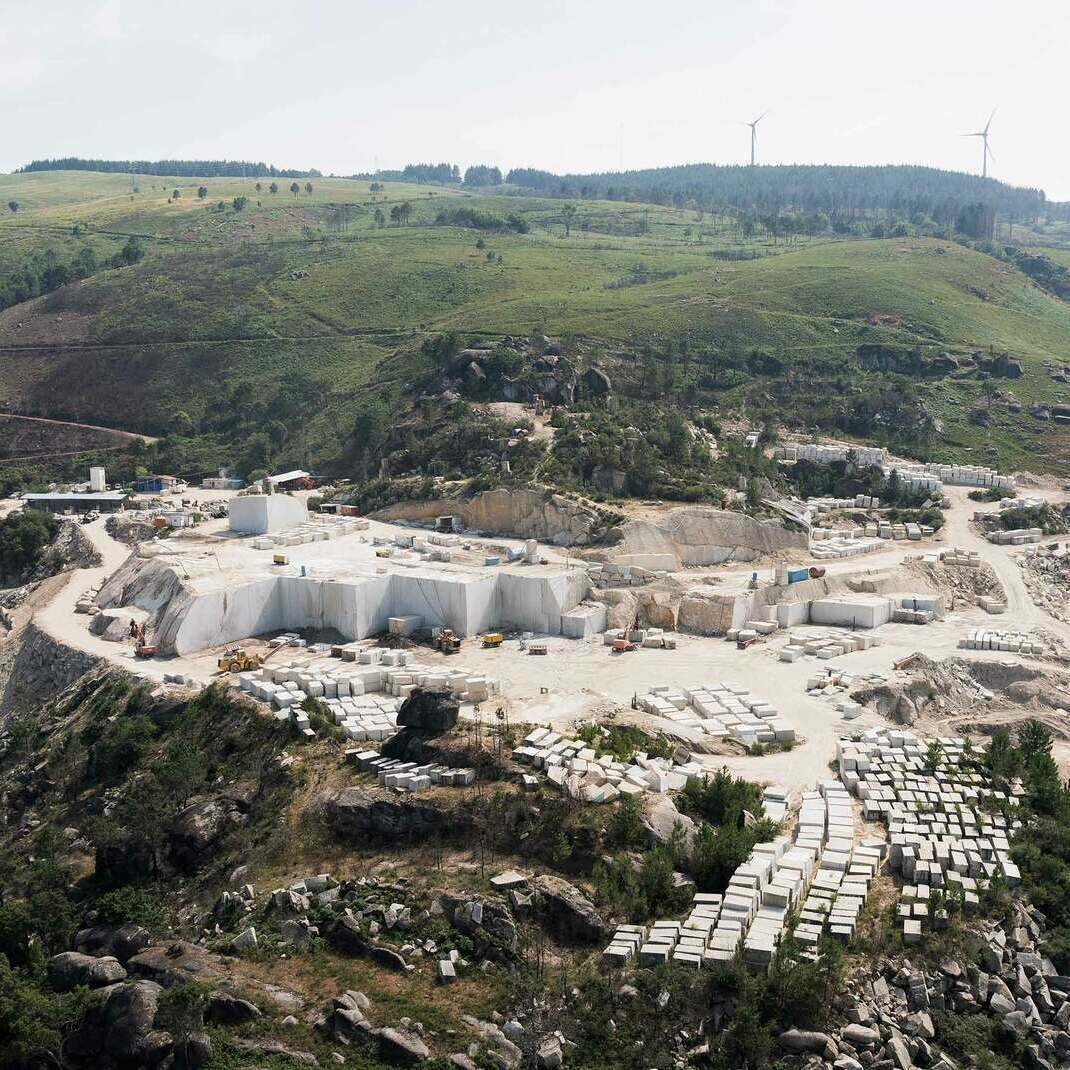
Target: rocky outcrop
37 664
566 910
119 1028
429 712
487 922
200 826
360 816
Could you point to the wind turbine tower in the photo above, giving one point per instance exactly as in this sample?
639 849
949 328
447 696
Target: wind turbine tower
986 152
754 134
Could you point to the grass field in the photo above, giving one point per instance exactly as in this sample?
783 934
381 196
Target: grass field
233 304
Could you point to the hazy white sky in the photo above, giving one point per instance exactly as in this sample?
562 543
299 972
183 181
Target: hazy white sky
566 85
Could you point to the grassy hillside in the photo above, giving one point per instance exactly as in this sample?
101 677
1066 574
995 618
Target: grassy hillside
229 309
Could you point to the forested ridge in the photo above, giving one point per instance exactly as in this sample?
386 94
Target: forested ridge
836 190
180 168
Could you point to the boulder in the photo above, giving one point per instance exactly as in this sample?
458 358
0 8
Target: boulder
549 1055
225 1008
899 1053
70 970
799 1041
275 1047
596 382
428 711
125 1019
402 1047
564 908
661 820
195 1051
122 941
861 1036
177 964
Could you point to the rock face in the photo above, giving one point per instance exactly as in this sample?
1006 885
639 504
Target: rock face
71 969
200 826
491 927
564 908
596 382
700 535
125 859
359 816
429 712
799 1041
522 513
402 1047
704 610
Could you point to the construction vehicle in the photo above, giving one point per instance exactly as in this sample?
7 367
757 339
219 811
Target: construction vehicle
144 650
493 639
622 646
238 661
446 641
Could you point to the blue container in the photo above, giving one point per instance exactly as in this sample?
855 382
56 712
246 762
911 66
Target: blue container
797 574
492 561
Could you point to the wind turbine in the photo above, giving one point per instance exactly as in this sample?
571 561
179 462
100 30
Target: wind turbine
754 134
986 152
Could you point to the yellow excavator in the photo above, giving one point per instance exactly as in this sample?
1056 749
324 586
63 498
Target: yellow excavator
238 661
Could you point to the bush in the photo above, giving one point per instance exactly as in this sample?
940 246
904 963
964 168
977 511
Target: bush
130 904
23 539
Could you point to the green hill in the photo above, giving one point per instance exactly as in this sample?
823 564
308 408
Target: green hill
305 310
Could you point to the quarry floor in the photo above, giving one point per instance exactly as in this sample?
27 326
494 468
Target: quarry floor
583 678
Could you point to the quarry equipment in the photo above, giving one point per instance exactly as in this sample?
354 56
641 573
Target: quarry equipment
144 650
493 639
536 648
622 646
446 641
238 661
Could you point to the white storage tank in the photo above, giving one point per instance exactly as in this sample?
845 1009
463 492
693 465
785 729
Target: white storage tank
97 481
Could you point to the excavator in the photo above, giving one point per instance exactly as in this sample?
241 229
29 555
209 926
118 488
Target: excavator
493 639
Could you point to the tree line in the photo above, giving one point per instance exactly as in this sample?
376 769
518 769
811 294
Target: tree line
180 168
838 191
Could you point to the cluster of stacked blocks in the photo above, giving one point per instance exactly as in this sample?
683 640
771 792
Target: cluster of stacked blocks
409 776
1013 642
826 645
319 527
574 766
822 878
1015 537
944 830
719 710
920 476
364 694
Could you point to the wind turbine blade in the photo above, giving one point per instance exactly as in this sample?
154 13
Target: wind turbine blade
991 117
978 134
760 117
991 154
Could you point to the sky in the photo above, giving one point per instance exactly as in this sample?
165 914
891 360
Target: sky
350 86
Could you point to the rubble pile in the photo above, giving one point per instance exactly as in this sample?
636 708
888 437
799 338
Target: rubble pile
1046 572
889 1014
574 767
